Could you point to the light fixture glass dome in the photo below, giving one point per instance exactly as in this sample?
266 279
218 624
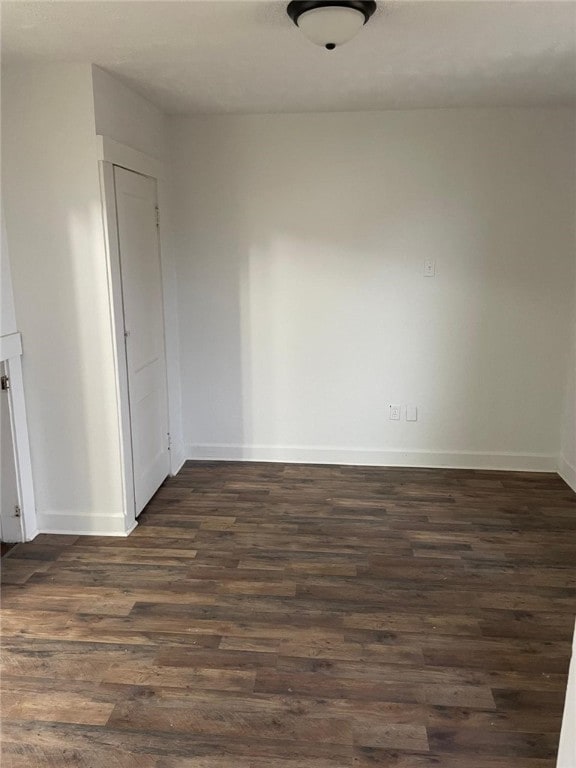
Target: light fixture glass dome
331 25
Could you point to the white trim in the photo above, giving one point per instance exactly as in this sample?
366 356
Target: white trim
171 327
567 746
22 448
108 192
10 346
525 462
568 473
92 524
178 458
111 151
12 524
27 527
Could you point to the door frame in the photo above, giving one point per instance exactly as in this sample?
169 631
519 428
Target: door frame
10 356
111 153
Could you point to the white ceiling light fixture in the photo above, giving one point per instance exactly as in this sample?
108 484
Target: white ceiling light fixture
330 23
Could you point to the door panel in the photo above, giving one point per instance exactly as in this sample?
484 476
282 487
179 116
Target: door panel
144 324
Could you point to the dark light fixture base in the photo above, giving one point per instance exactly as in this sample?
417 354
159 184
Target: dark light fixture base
297 7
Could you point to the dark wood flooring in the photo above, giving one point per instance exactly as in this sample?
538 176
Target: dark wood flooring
291 616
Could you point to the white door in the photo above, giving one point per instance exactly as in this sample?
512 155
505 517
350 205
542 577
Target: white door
10 525
144 326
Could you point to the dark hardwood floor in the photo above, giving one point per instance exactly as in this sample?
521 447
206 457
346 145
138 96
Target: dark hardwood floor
292 616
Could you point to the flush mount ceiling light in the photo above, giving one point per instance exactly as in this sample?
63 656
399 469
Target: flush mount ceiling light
330 23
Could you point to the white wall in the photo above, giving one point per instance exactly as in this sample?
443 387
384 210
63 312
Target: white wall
127 117
54 223
304 311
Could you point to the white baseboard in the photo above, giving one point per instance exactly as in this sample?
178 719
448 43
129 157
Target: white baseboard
567 472
31 535
525 462
567 746
177 458
94 524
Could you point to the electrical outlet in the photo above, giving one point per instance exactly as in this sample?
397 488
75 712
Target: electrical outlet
411 413
395 412
429 268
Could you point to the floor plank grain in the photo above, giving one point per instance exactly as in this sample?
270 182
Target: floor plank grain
298 616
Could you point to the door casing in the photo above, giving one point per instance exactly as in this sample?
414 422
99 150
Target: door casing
10 507
25 527
112 153
145 352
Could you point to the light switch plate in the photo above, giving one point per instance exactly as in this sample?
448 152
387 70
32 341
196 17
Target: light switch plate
411 413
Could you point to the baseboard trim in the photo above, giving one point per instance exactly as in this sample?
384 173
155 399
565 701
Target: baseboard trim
31 535
567 745
523 462
95 524
177 459
567 472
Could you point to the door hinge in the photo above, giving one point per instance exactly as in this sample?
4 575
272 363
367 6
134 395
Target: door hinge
169 441
17 511
5 382
157 216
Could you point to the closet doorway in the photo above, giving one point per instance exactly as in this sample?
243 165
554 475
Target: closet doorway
143 317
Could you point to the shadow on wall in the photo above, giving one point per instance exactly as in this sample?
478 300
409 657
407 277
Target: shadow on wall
304 308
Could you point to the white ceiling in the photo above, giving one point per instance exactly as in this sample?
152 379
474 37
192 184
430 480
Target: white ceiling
197 56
